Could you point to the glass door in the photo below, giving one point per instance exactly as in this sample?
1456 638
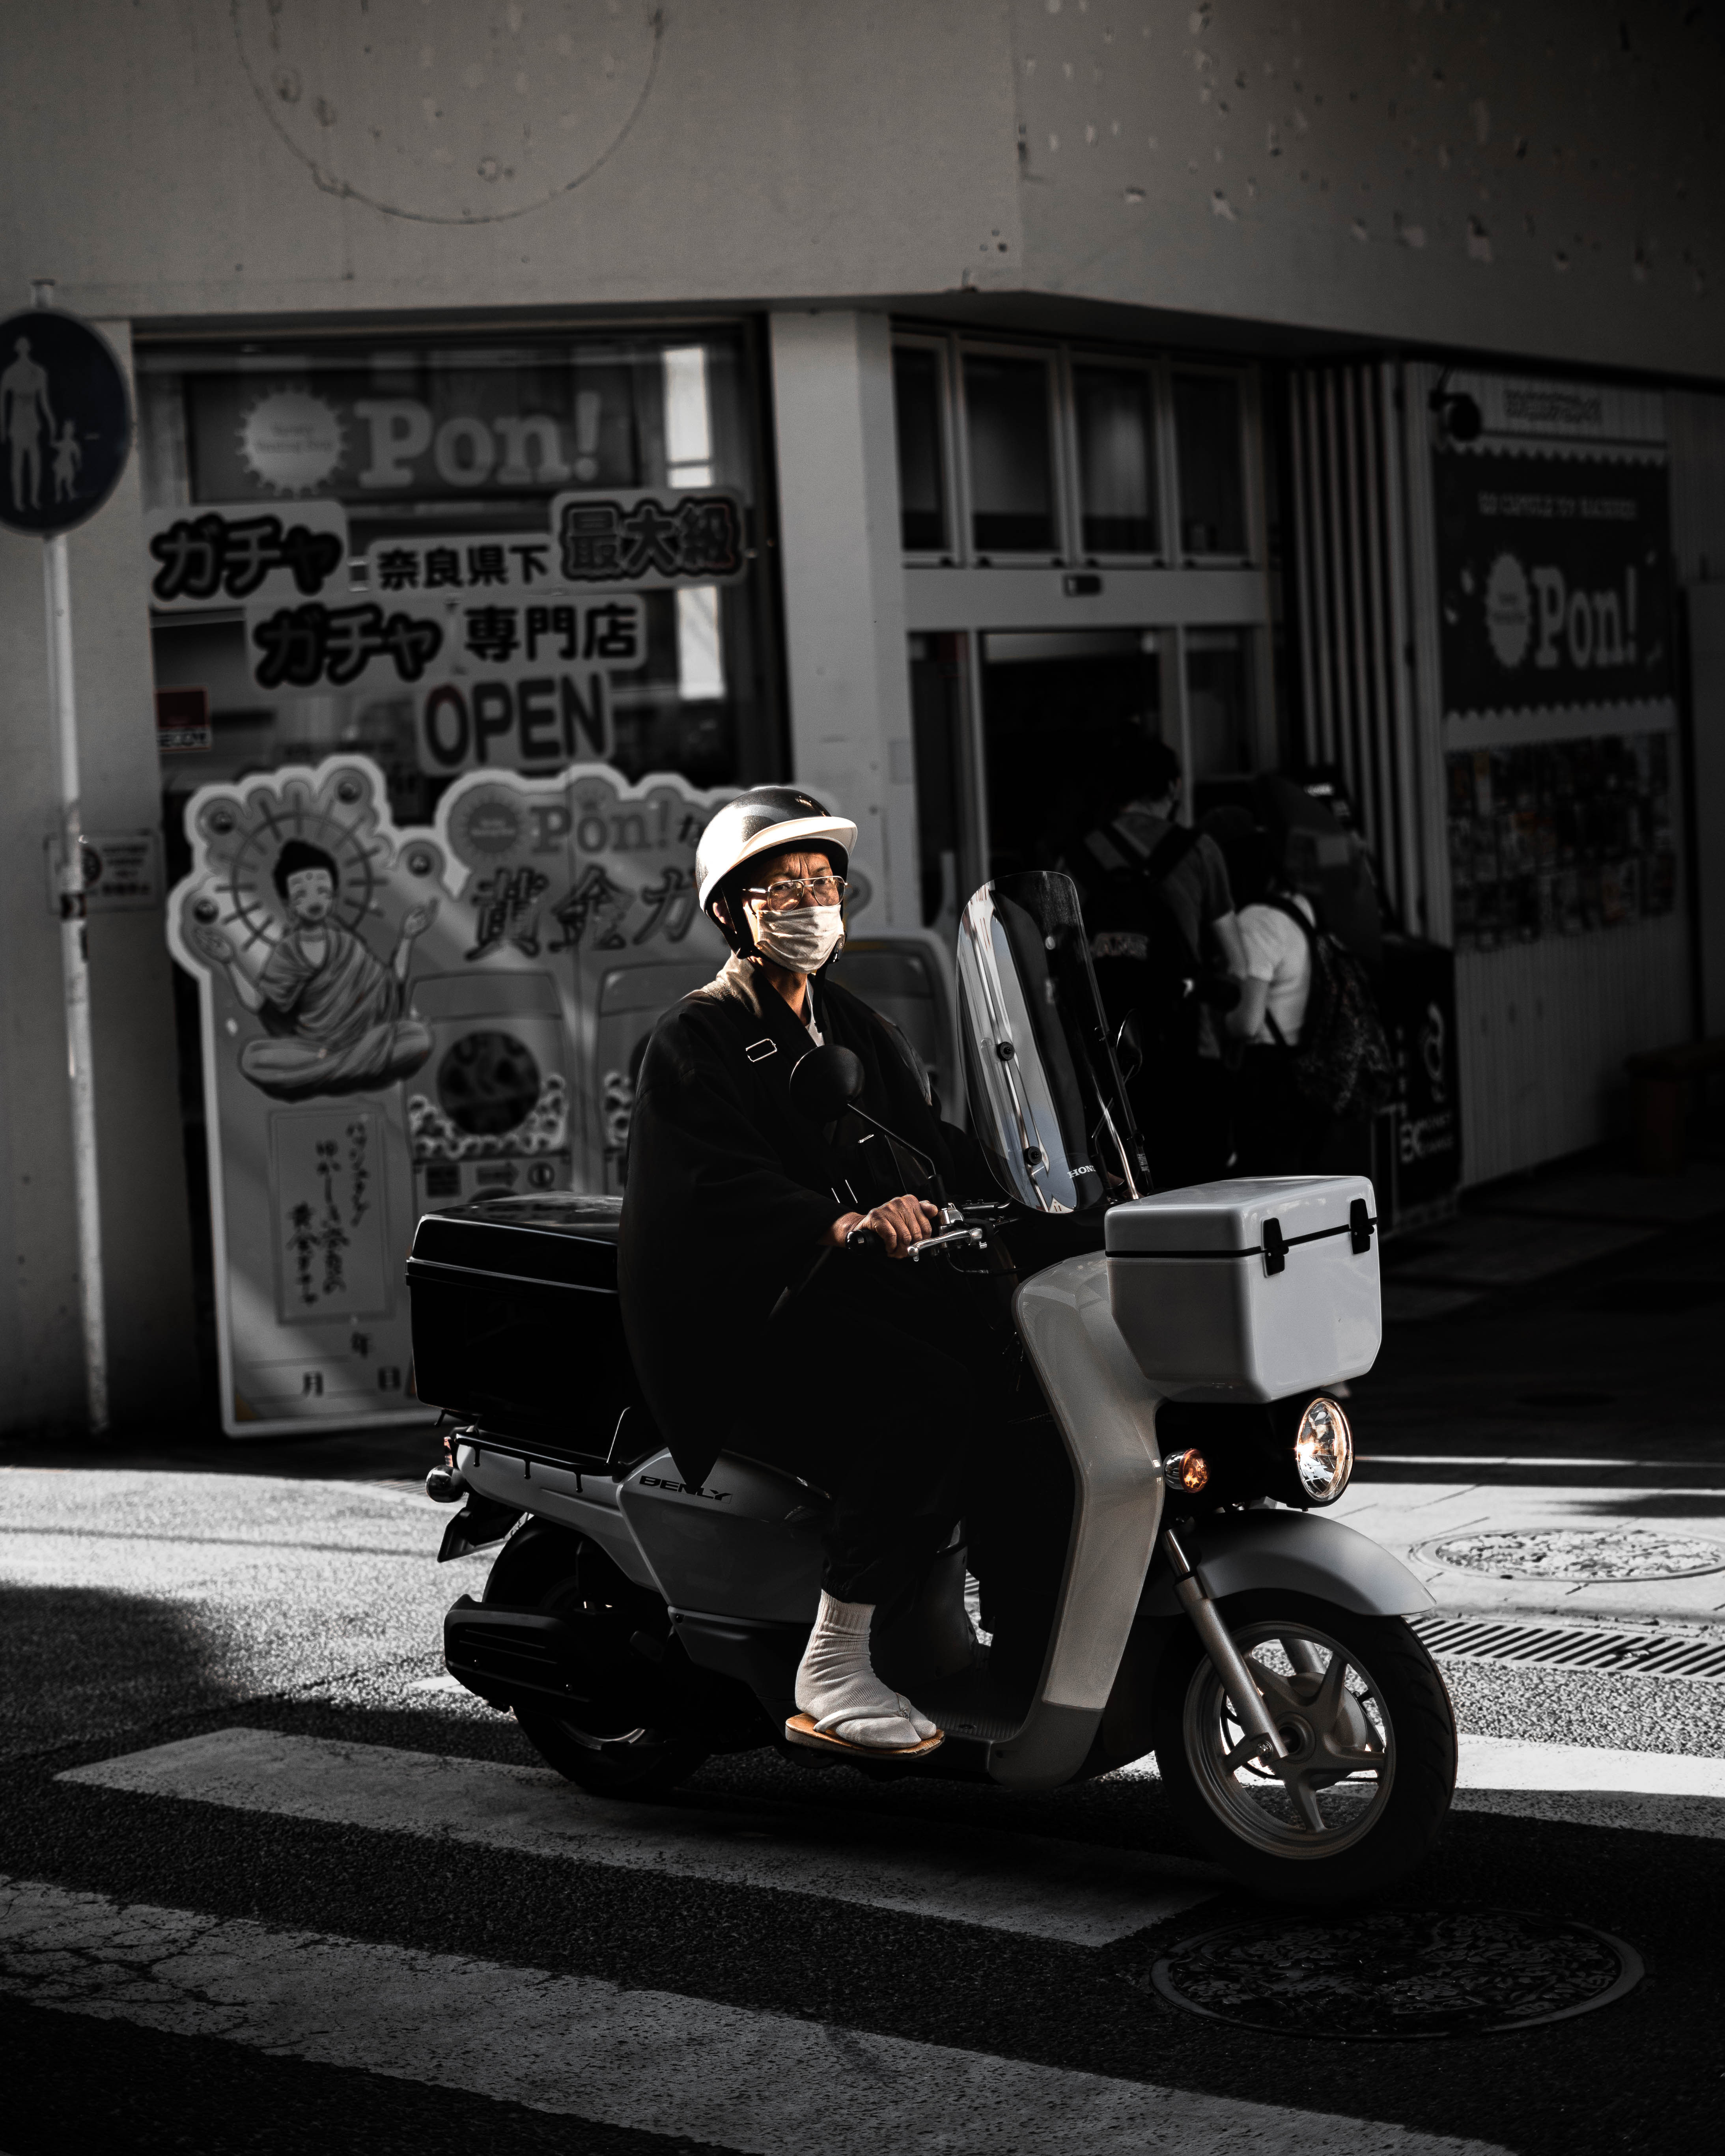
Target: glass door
1056 704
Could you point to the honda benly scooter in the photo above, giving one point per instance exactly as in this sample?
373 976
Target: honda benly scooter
1174 1346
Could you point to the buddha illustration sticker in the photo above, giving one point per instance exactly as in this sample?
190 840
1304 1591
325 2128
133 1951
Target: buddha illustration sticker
331 1008
398 1020
304 917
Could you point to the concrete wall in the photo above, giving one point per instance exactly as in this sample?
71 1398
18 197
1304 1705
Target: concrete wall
189 157
1537 179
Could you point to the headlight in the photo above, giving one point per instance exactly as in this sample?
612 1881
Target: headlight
1323 1451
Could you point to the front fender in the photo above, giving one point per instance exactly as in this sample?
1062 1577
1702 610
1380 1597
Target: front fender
1300 1552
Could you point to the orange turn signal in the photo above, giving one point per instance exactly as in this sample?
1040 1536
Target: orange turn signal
1186 1472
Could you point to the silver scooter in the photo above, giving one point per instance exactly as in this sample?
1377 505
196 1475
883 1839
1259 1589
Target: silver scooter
1178 1359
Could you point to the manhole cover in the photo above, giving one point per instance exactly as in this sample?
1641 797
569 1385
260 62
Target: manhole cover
1399 1974
1576 1554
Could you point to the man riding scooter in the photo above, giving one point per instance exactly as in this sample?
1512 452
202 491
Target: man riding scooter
749 1329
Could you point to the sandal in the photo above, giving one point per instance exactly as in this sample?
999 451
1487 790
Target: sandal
803 1729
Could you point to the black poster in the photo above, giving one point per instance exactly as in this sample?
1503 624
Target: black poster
1417 1000
1554 580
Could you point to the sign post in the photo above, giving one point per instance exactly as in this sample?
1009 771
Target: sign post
65 434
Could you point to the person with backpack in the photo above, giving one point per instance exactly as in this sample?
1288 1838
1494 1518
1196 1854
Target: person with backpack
1277 1131
1316 1050
1167 954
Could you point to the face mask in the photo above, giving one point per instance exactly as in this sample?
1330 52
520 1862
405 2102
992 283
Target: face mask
801 938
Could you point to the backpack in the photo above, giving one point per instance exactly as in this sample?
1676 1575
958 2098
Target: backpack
1132 921
1342 1060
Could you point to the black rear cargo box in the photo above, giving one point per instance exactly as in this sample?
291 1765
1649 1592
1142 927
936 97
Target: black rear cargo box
516 1322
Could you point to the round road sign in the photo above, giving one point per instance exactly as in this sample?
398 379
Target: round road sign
65 421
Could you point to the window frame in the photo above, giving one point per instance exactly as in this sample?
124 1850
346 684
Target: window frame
1152 367
950 555
1251 505
1059 357
1047 356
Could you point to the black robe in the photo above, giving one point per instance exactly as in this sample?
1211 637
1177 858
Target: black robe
729 1193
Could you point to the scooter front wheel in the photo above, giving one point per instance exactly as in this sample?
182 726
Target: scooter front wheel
1370 1734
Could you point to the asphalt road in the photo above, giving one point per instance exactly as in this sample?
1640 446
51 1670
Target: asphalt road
469 1988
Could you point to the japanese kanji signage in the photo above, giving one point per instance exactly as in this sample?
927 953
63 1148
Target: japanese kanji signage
648 541
525 563
387 643
396 1020
335 1257
514 638
65 422
219 554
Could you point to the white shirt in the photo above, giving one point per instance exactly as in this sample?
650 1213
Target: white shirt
1277 953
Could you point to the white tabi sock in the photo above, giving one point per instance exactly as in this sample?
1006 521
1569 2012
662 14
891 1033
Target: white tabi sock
838 1692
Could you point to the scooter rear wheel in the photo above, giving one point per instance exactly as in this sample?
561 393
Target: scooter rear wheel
1370 1737
619 1741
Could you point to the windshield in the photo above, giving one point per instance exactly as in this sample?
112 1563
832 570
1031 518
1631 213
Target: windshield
1046 1099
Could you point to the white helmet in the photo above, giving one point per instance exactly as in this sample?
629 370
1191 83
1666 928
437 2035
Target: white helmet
767 819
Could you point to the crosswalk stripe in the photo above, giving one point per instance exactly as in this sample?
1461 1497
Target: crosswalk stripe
764 2084
1512 1762
1593 1785
1064 1891
1580 1784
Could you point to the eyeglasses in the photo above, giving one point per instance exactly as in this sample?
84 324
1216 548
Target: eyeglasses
790 891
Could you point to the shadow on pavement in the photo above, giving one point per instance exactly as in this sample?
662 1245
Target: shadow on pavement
85 1665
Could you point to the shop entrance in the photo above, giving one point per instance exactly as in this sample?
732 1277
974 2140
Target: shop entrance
1054 706
1086 539
1015 730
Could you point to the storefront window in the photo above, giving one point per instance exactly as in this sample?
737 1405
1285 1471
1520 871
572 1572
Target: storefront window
1006 403
1117 459
1207 433
1218 701
1560 838
354 546
922 482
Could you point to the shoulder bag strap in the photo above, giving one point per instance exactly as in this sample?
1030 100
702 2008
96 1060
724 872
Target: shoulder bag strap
1294 913
1170 849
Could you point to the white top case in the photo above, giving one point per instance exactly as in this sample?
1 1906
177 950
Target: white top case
1248 1289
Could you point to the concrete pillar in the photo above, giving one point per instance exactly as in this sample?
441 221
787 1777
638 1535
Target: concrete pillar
152 1342
844 591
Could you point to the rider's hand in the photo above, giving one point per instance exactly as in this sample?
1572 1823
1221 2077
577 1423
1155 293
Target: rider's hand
899 1223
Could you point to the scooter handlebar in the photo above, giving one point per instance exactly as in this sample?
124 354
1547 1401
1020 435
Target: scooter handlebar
866 1241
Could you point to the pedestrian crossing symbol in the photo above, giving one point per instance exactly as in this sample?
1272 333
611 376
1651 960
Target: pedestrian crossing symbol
65 422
